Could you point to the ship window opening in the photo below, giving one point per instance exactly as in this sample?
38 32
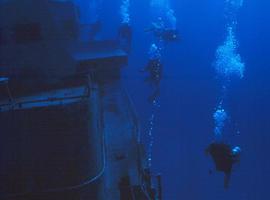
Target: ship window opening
25 33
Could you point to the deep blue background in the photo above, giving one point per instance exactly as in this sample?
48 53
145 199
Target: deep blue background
189 94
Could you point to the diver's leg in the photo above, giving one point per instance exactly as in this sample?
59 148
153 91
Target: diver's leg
154 96
227 179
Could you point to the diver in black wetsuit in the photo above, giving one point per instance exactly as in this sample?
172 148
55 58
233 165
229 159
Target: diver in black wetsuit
125 36
154 68
224 157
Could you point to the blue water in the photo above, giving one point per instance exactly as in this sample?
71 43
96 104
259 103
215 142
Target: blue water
190 91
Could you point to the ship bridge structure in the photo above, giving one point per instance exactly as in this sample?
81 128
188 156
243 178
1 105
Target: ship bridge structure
68 129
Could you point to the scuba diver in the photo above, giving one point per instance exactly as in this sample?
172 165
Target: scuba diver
125 36
224 157
162 33
154 68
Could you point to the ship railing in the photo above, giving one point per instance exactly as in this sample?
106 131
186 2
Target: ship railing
140 156
140 166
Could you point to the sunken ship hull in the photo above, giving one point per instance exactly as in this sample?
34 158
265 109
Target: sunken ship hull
68 128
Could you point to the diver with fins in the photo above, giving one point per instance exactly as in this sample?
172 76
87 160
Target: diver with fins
224 157
154 70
